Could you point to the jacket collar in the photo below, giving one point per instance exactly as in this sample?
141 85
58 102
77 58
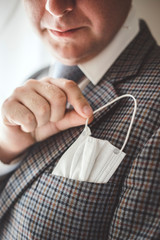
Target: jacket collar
44 154
129 63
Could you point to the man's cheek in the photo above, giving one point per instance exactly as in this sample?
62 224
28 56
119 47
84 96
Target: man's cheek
35 11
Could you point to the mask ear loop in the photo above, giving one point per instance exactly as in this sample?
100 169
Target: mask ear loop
132 119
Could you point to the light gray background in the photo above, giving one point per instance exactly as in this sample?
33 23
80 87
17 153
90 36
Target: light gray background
150 11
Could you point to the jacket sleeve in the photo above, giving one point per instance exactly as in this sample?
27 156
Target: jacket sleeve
137 215
4 180
6 171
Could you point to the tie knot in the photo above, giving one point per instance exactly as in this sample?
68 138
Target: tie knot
69 72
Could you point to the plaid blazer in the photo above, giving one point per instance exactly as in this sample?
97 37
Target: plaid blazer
37 205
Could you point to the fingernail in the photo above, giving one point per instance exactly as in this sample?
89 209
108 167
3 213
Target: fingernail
87 110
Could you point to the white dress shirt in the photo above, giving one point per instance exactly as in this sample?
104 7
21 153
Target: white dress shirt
98 66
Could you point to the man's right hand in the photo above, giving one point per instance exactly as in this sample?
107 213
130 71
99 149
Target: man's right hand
36 111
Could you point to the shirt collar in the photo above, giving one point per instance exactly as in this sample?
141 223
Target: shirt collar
98 66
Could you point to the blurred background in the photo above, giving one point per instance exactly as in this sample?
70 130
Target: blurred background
150 11
21 51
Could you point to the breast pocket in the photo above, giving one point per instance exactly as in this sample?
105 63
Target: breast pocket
62 208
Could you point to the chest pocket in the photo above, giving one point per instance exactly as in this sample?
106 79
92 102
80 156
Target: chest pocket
60 208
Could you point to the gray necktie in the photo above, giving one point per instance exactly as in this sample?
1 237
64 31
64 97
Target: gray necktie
63 71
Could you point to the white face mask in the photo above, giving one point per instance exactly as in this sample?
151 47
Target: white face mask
91 159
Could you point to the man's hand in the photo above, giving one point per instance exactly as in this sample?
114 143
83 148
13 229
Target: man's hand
36 111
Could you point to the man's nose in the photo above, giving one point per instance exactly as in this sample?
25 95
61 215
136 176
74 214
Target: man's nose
59 7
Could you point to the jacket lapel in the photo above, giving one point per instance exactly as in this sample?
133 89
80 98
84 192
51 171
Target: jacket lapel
44 154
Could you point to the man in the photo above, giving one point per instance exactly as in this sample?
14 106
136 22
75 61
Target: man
106 43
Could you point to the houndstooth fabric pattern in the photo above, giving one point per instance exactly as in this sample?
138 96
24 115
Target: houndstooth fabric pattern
38 205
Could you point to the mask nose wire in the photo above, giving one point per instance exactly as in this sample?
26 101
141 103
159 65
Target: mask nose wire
132 119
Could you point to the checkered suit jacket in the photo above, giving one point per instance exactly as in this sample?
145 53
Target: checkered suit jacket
37 205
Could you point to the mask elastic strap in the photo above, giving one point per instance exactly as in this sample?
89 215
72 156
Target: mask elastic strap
132 119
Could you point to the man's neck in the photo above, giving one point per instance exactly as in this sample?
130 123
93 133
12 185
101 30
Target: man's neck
99 65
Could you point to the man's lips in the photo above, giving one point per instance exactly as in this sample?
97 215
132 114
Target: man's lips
64 33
